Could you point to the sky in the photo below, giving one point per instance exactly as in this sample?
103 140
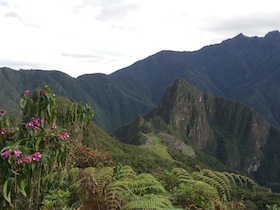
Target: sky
101 36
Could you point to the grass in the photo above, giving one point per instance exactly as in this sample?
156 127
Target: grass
159 148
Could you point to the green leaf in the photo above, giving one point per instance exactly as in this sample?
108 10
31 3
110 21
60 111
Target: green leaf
37 143
12 147
22 103
7 189
22 186
49 110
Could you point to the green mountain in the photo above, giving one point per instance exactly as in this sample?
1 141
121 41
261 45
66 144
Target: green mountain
227 130
147 158
245 69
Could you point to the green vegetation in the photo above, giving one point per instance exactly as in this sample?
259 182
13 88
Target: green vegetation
158 148
45 167
54 157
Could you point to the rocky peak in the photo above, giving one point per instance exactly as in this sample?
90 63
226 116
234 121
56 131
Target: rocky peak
273 35
214 124
182 108
230 131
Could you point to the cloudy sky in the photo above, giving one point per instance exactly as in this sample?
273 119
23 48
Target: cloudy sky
90 36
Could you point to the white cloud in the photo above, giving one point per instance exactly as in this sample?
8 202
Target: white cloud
89 36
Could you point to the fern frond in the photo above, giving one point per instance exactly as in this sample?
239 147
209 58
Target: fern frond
63 174
236 177
73 174
124 172
94 180
247 181
103 177
212 182
149 202
224 178
89 170
181 176
221 179
147 184
230 178
117 192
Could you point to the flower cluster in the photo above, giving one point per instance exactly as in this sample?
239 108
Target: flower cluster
7 153
29 158
43 91
35 123
3 131
63 136
54 126
25 93
2 111
17 153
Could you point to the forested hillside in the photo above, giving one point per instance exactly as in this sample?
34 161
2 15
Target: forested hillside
245 69
54 157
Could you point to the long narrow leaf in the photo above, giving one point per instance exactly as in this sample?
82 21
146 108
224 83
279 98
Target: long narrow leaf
7 189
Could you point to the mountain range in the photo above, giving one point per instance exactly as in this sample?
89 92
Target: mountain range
225 104
245 69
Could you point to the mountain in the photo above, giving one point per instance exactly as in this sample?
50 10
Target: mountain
141 158
243 68
230 131
246 69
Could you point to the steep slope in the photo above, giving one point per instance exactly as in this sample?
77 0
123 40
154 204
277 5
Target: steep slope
13 83
117 104
146 158
245 69
230 131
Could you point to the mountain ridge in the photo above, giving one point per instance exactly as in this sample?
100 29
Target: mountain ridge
241 68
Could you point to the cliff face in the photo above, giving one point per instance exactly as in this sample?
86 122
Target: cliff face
226 129
230 131
183 110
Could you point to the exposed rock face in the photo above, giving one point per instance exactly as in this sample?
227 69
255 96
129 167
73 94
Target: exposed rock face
228 130
195 117
185 114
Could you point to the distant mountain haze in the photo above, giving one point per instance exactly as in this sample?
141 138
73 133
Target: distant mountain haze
245 69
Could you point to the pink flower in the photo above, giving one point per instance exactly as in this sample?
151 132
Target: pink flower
36 156
43 92
26 93
63 136
6 153
17 153
3 131
20 161
30 125
27 159
54 126
34 123
2 111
